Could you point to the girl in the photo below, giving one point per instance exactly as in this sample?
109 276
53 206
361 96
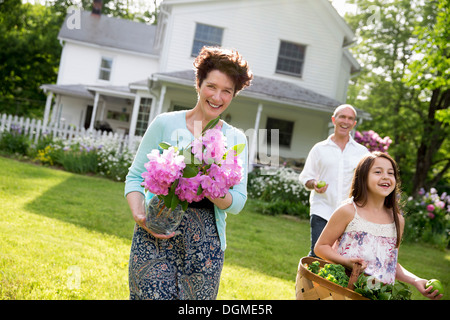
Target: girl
368 228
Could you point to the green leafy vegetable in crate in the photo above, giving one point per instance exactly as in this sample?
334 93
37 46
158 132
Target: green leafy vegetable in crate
332 272
373 289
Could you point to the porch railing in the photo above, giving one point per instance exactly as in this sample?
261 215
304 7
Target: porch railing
35 129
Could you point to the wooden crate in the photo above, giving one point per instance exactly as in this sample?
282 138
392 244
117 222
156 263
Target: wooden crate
310 286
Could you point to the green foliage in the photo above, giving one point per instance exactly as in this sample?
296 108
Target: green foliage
387 32
78 159
427 218
278 191
29 55
14 142
432 71
373 289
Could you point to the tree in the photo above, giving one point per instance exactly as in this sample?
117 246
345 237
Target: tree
431 74
29 55
386 38
30 51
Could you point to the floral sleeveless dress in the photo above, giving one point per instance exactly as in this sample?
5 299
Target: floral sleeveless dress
373 242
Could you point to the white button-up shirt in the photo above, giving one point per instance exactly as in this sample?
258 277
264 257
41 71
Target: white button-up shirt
326 161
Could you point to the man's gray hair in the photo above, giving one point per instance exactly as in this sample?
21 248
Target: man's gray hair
343 106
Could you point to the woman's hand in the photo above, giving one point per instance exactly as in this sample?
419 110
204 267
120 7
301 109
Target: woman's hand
136 202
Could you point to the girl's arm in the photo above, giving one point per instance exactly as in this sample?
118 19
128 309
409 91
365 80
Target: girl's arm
332 231
404 275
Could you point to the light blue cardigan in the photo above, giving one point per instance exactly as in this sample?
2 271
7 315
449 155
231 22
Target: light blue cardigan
171 127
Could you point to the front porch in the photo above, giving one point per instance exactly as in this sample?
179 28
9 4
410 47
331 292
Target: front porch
281 120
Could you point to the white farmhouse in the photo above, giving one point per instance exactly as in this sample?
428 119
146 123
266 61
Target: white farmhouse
118 75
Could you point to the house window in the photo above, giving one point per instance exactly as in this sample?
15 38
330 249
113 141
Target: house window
105 69
285 128
291 58
206 36
119 116
143 116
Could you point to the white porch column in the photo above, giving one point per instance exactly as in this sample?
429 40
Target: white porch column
134 116
154 113
48 105
94 111
102 111
254 141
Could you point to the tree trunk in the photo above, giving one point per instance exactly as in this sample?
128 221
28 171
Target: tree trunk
432 139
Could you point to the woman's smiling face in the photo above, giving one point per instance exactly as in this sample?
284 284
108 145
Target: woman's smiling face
215 94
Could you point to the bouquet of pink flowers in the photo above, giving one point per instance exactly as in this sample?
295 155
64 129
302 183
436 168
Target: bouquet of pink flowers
205 168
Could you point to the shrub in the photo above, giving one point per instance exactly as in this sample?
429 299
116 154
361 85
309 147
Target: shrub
372 141
85 155
278 191
14 142
427 218
78 158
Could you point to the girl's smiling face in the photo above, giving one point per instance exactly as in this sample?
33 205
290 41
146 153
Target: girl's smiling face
381 180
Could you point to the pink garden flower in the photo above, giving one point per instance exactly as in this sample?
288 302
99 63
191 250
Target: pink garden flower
162 170
187 189
214 174
210 147
430 208
373 141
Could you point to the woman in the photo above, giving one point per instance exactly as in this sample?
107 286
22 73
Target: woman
187 264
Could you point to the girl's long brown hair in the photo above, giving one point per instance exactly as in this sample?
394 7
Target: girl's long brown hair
359 189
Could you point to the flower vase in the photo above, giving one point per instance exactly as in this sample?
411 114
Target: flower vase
160 219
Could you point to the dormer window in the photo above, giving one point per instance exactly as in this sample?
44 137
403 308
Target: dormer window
291 58
105 69
206 36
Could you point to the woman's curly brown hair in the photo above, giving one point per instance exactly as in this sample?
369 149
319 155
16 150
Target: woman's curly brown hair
227 61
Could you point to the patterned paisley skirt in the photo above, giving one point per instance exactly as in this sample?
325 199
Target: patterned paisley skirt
186 267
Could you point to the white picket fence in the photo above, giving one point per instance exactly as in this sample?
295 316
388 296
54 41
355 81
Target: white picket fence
34 129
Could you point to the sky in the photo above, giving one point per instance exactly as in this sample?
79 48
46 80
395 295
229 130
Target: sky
341 5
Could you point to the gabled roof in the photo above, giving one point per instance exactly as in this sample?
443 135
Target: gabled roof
109 32
266 89
269 89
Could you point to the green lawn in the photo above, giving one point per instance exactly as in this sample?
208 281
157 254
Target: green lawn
67 236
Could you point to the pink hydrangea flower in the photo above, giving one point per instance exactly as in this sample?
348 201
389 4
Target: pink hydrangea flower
210 147
187 189
162 170
218 170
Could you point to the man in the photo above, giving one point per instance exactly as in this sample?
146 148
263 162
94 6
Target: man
333 161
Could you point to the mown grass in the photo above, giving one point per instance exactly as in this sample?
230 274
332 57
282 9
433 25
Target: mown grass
68 236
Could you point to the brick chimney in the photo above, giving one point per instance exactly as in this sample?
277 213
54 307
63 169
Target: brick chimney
97 7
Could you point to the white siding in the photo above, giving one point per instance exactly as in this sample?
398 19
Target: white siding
255 28
81 64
